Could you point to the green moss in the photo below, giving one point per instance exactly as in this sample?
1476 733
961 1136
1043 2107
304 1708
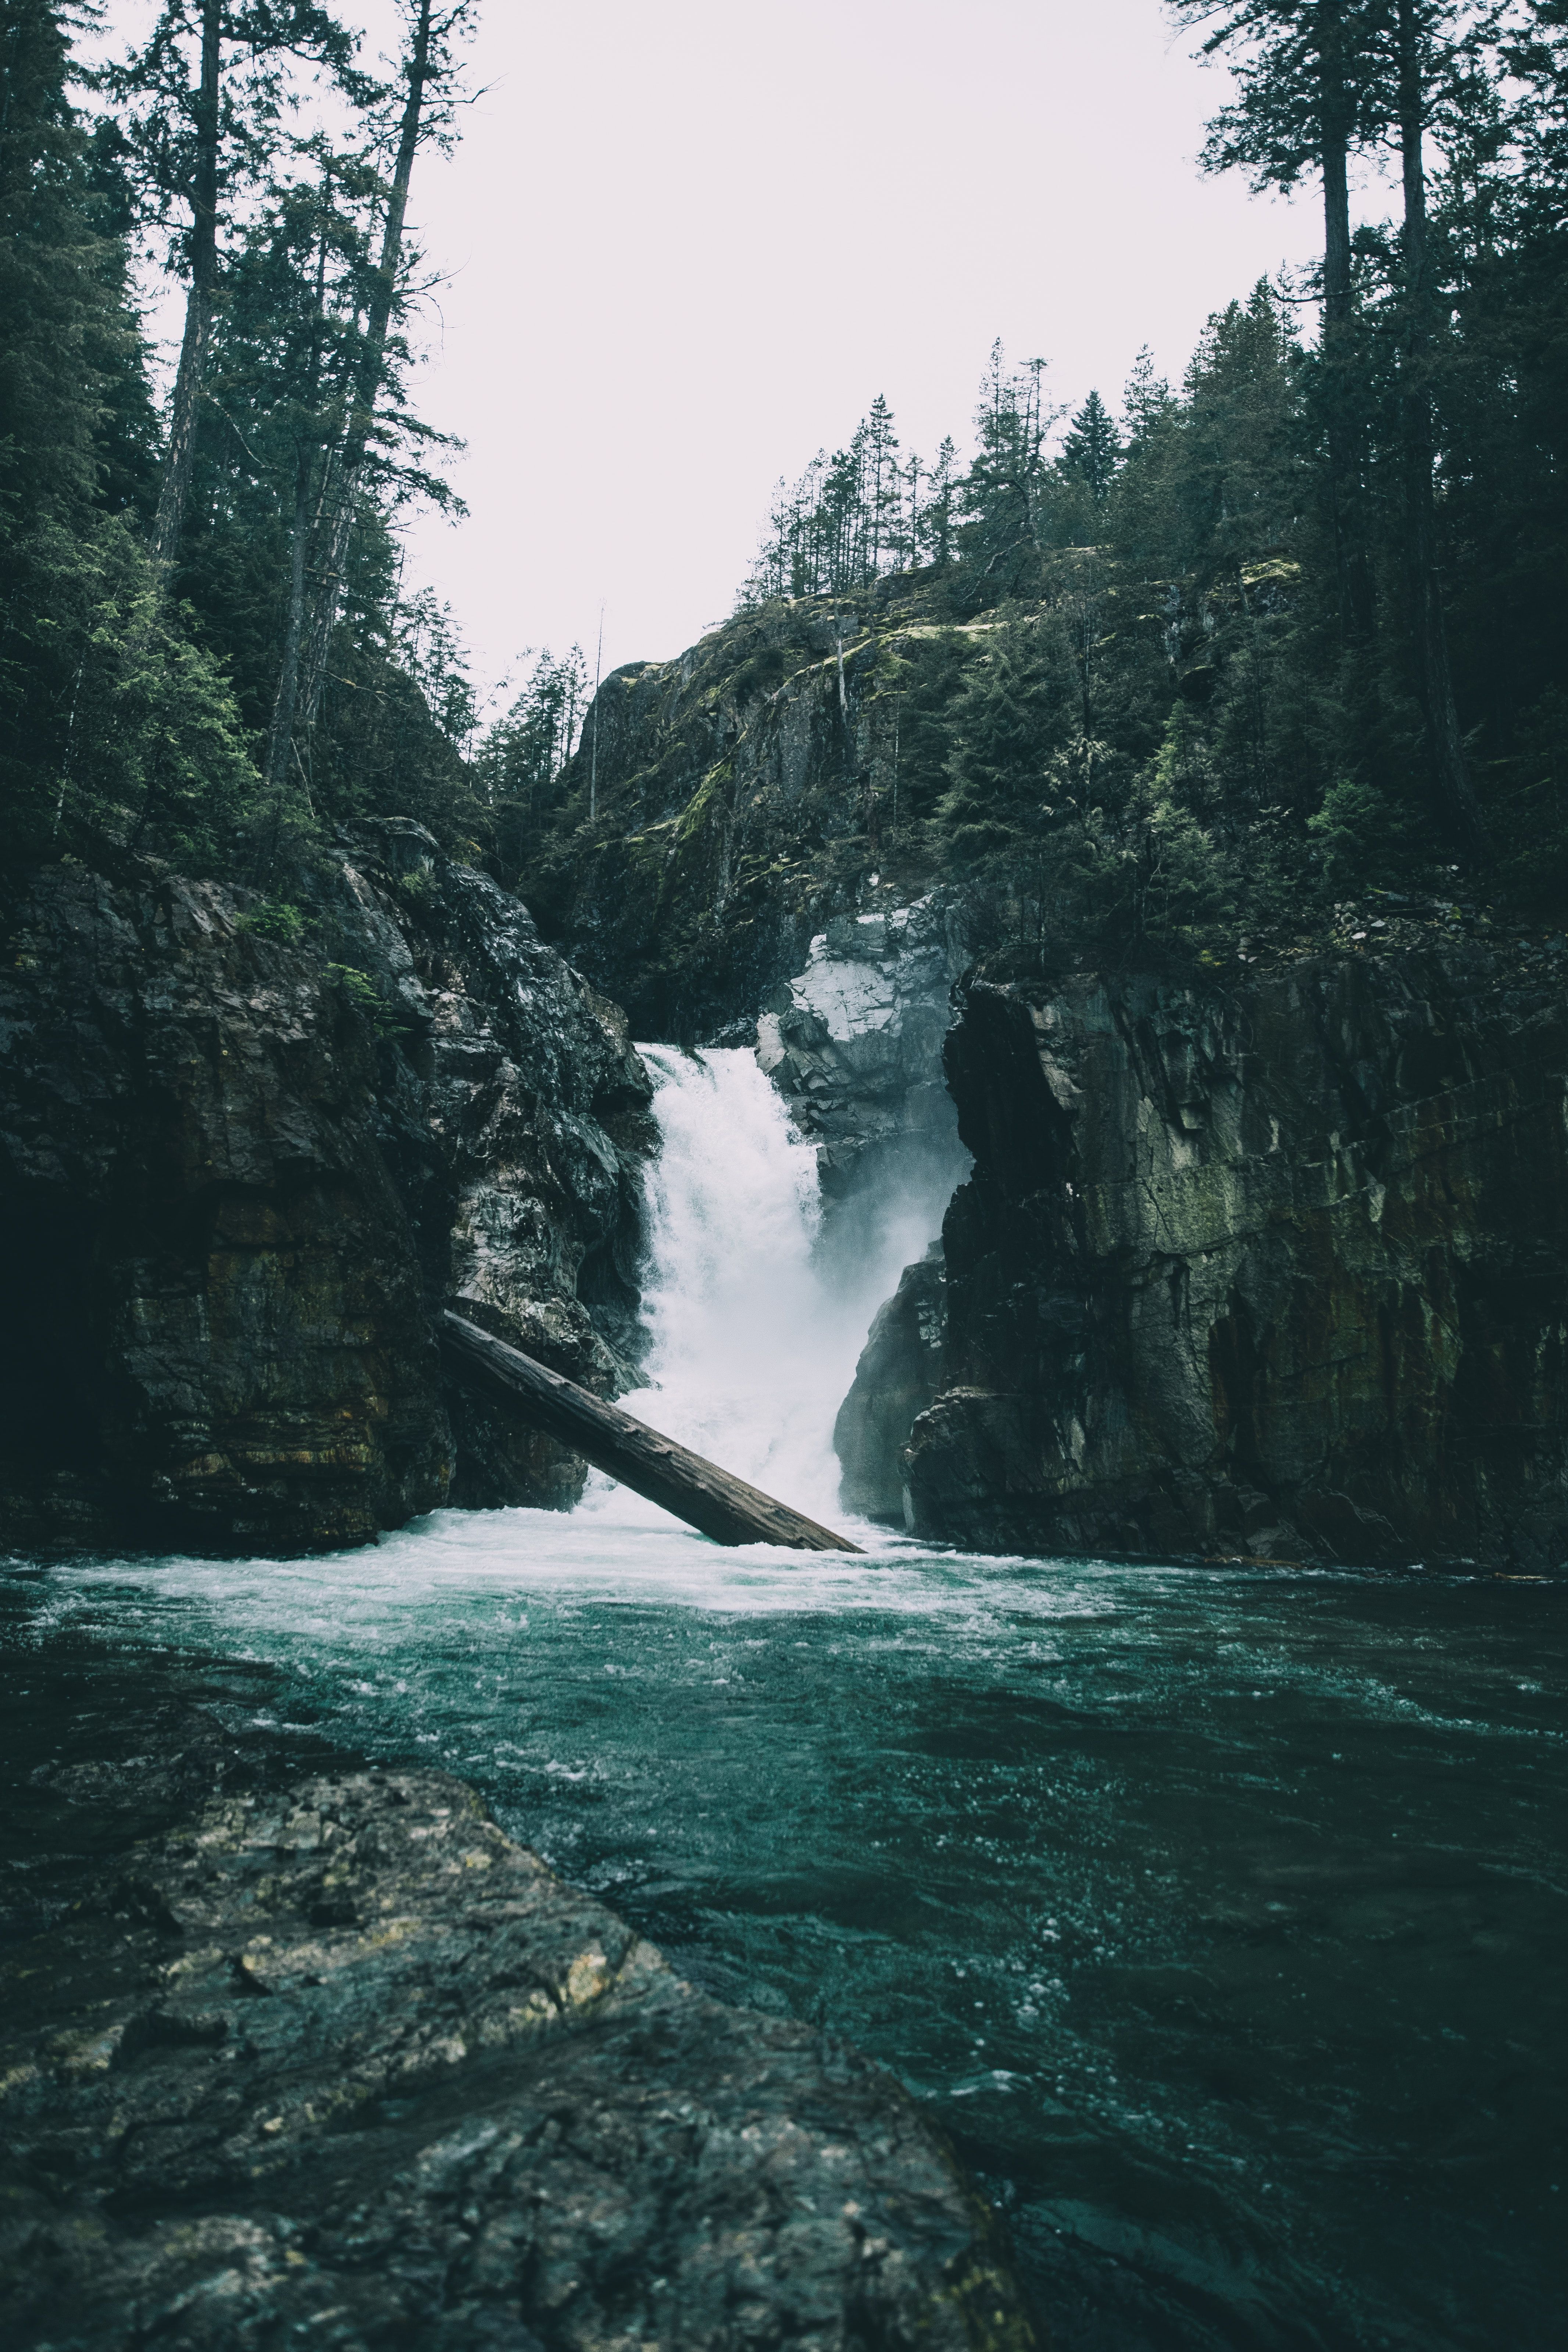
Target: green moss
695 814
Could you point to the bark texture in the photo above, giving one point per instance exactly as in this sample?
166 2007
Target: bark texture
694 1490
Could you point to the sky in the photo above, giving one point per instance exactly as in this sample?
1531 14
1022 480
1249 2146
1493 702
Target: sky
683 243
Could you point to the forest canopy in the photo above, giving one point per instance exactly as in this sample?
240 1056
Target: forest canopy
1287 624
1306 603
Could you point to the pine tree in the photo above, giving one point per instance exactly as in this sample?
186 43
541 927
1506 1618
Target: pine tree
105 712
1002 496
201 99
883 488
1093 449
1146 401
430 77
1319 79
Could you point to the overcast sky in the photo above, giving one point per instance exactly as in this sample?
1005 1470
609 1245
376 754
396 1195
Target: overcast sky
686 243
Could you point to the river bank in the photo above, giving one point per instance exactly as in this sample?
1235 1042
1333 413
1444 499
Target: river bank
326 2049
1214 1914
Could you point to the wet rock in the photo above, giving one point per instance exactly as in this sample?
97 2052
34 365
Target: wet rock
339 2061
896 1379
854 1043
516 1124
1278 1271
238 1170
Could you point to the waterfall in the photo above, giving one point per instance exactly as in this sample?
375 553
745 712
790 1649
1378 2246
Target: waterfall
754 1332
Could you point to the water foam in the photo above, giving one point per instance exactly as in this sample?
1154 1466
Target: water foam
754 1329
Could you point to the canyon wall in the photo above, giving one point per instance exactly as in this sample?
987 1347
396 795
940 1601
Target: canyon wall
1277 1269
239 1169
748 794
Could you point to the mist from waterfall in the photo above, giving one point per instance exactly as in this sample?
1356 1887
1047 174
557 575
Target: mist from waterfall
755 1317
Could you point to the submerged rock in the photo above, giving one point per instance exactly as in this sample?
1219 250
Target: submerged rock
340 2062
1282 1270
238 1170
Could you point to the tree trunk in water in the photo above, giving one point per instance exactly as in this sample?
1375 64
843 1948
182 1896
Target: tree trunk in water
669 1474
340 520
185 407
1445 742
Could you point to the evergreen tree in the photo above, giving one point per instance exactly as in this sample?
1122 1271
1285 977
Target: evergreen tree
108 717
882 489
201 100
430 79
1008 716
934 537
1093 449
1319 79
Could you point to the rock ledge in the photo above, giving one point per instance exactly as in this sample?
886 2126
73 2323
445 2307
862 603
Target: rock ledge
344 2062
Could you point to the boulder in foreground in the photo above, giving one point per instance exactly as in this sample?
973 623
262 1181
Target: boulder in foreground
346 2063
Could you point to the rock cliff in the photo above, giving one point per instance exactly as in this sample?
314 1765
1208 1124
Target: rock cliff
758 868
1279 1269
745 795
238 1168
898 1376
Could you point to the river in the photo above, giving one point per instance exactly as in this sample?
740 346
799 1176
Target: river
1218 1913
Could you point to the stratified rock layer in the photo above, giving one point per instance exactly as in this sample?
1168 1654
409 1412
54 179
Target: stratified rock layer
344 2064
238 1174
1282 1270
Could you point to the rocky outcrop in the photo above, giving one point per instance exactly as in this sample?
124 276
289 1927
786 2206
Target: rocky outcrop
515 1121
757 868
748 794
854 1044
239 1169
1281 1269
898 1376
334 2060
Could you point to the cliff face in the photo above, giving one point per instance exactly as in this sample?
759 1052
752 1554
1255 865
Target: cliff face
746 796
1283 1270
237 1175
897 1378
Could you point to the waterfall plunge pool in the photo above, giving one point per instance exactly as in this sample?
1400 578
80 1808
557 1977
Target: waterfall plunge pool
1217 1914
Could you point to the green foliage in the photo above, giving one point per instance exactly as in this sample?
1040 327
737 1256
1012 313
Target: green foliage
1091 450
1354 832
1004 720
136 701
275 919
363 993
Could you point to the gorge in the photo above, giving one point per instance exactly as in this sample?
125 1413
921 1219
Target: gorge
1157 1888
1038 1288
783 1433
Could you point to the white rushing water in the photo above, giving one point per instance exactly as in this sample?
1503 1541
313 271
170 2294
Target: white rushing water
754 1329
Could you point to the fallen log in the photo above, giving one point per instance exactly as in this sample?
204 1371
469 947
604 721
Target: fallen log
679 1481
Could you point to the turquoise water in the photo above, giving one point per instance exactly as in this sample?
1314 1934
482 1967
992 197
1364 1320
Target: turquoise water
1218 1914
